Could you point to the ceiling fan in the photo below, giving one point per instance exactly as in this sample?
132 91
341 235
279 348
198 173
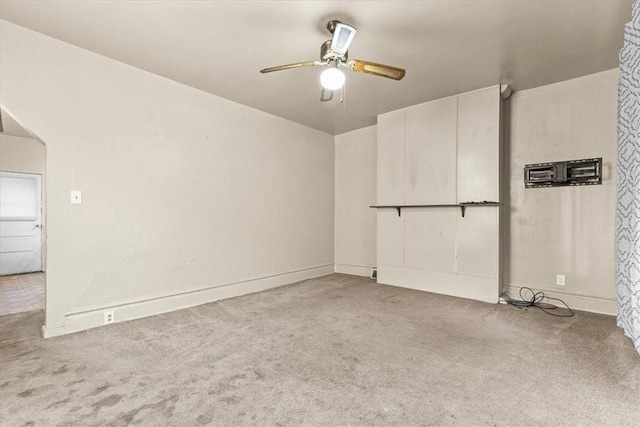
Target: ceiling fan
334 55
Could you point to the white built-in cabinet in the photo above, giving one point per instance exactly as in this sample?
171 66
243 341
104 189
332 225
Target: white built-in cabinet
443 152
390 178
430 152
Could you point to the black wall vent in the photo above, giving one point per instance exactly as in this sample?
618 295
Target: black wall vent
558 174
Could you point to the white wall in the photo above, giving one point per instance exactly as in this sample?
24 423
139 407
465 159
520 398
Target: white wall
355 160
565 230
26 155
187 197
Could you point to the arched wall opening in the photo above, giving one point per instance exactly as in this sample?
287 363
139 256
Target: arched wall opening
23 220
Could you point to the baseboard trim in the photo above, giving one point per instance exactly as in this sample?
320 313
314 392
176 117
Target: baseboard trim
577 302
355 270
94 317
52 332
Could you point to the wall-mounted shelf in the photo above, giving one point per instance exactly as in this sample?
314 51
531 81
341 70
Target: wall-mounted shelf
463 206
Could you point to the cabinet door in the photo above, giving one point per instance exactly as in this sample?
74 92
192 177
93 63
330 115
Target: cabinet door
390 246
430 239
430 153
479 145
477 242
391 158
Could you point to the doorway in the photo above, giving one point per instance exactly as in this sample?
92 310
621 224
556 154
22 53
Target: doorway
21 276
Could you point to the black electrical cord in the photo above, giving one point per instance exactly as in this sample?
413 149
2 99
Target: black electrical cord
536 301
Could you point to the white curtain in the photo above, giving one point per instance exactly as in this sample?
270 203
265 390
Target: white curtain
628 214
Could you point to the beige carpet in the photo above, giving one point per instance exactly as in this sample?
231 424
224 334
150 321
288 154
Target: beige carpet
338 350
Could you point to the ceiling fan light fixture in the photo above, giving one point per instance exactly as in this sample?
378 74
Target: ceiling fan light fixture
332 78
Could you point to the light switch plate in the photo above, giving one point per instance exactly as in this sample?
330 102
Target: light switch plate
76 197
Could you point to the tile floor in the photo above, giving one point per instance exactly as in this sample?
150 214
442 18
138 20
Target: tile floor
21 292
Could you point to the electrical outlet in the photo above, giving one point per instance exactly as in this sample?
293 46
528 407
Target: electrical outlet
560 279
109 317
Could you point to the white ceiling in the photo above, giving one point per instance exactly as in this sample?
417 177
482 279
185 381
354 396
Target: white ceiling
447 47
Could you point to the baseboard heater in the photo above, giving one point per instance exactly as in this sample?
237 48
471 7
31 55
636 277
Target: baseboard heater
559 174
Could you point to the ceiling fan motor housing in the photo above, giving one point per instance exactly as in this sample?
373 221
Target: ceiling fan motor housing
326 54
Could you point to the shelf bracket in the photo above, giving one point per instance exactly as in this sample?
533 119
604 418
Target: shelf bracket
462 209
399 210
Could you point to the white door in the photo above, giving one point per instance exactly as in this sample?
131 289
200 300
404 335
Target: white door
20 223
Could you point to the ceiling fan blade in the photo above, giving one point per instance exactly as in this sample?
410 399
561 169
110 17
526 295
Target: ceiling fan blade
381 70
342 37
326 95
288 66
